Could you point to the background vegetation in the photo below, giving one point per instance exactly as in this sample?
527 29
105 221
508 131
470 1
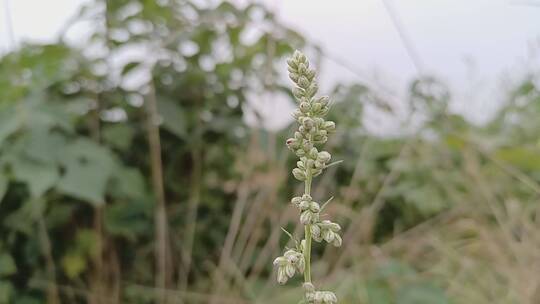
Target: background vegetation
161 193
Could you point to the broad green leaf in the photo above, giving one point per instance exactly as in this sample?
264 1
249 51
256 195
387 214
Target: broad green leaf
44 146
128 183
173 116
89 152
9 122
118 135
84 181
38 177
88 168
7 265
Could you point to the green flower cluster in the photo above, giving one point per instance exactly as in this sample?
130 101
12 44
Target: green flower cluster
319 297
313 130
288 264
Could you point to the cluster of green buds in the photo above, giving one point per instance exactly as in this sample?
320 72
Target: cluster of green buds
288 264
328 231
313 130
318 297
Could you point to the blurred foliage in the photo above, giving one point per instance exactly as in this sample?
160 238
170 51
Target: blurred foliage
75 172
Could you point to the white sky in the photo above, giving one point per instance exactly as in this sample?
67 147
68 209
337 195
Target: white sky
471 44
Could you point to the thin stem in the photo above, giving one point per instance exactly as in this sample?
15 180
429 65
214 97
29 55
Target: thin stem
307 235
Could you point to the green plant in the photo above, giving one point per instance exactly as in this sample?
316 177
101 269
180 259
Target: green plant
313 130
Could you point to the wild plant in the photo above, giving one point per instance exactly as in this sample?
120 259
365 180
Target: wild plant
313 131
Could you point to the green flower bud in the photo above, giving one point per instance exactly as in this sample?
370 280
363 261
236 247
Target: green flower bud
291 69
315 231
304 205
324 100
312 90
307 146
299 57
308 123
282 276
294 77
335 227
308 287
322 133
306 217
324 111
299 174
297 114
329 297
317 139
292 144
316 107
337 240
300 152
290 270
292 63
307 197
305 107
313 153
310 163
323 156
298 93
303 82
296 200
328 235
281 261
310 74
314 207
302 68
330 126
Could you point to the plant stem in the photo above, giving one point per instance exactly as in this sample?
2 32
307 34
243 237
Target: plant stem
307 235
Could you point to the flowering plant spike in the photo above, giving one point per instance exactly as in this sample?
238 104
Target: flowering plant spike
313 131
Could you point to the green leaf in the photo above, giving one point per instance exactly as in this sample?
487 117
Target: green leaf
37 176
173 117
128 183
44 146
87 243
85 182
88 169
9 122
73 264
128 220
129 67
7 265
3 186
6 291
118 136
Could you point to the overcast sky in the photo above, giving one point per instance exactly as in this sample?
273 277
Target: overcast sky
470 44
